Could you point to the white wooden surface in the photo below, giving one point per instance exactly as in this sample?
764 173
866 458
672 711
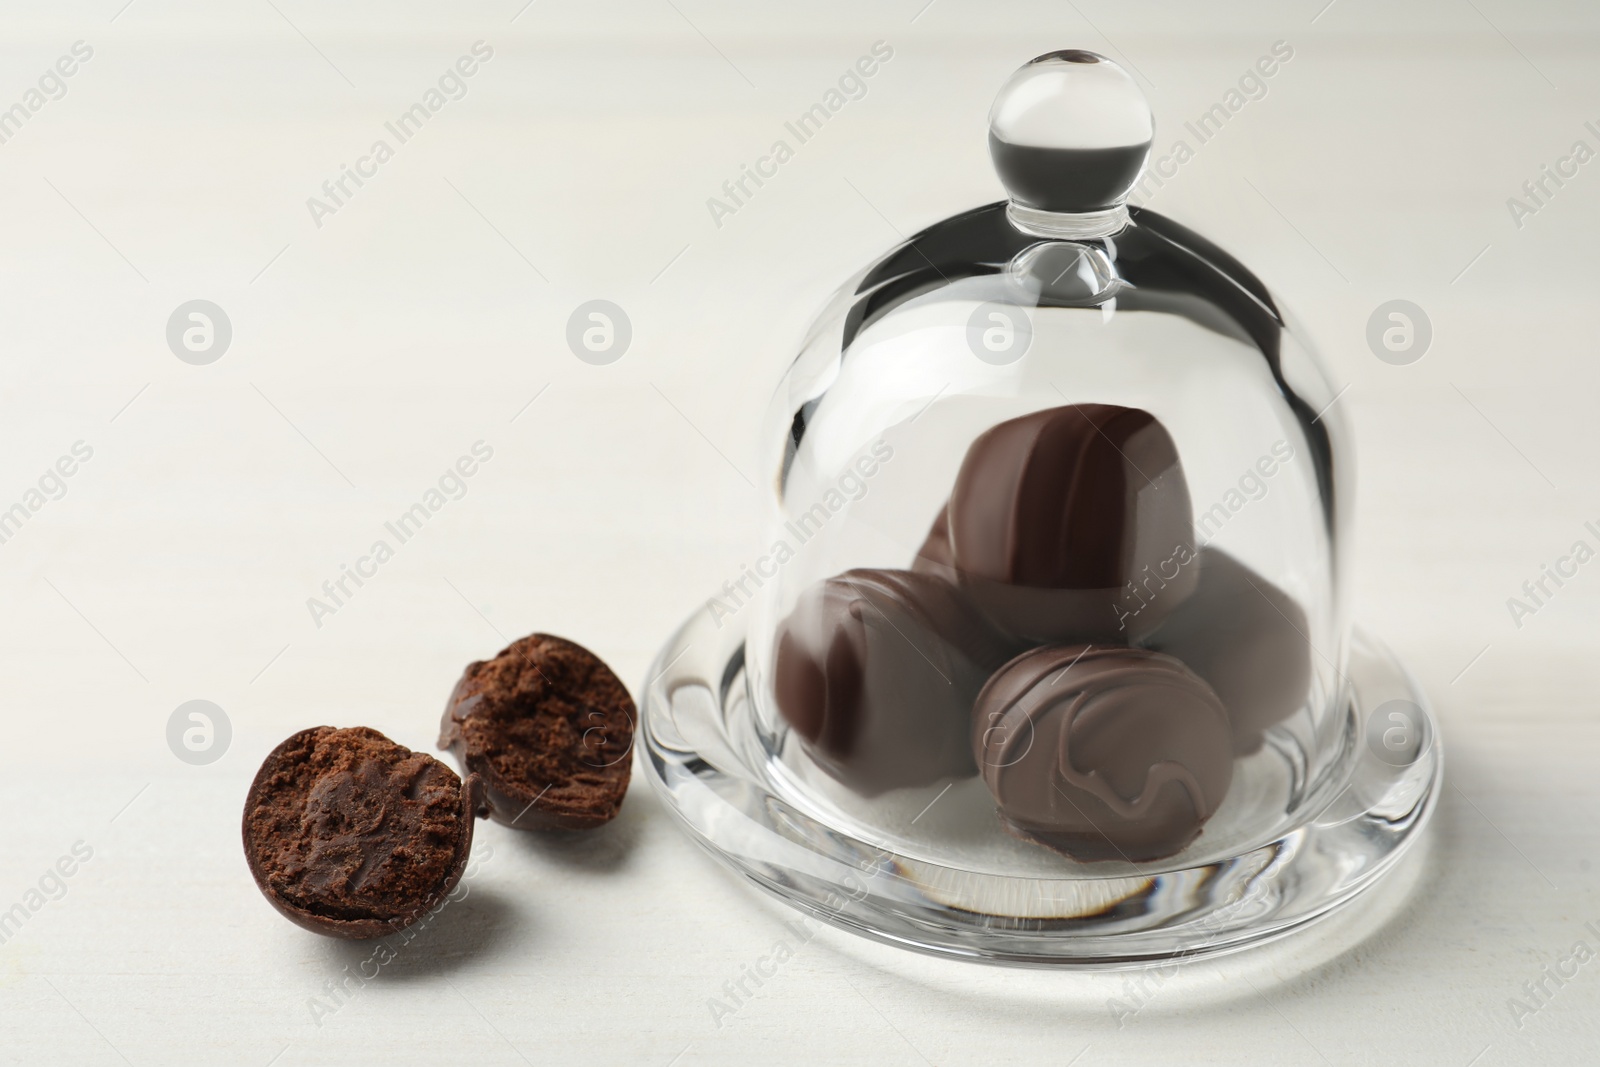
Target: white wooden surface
370 352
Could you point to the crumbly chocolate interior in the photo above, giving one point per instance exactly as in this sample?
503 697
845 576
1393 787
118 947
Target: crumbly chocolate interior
553 724
349 825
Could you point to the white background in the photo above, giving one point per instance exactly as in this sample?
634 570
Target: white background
370 352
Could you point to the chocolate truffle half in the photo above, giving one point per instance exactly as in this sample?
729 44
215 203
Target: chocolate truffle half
1248 639
1072 524
550 729
1103 753
351 835
876 670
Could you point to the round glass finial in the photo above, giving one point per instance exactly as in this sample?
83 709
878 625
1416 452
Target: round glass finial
1069 133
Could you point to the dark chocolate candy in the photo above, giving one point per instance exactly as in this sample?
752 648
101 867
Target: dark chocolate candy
1248 639
351 835
876 670
1103 753
550 729
1073 524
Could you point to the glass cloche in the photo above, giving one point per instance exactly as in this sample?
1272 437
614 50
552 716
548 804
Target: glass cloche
1045 657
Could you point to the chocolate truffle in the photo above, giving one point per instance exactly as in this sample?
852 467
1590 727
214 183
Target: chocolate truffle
1073 524
549 728
351 835
1103 753
876 670
1248 639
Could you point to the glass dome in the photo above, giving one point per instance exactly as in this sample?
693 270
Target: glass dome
1045 658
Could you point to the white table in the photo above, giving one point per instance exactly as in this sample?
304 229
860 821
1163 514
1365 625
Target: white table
423 314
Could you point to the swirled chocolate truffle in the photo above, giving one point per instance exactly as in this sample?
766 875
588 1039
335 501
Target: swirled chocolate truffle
550 729
1103 753
351 835
1073 524
876 671
1248 639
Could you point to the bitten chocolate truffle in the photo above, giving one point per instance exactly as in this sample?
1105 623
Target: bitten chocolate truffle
876 670
1248 639
550 729
1072 524
1103 753
351 835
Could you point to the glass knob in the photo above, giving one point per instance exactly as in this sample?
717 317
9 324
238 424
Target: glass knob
1069 133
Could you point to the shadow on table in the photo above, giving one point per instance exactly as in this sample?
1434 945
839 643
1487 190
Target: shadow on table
605 849
470 928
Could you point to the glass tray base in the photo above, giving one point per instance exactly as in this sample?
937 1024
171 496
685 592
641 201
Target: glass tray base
703 754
